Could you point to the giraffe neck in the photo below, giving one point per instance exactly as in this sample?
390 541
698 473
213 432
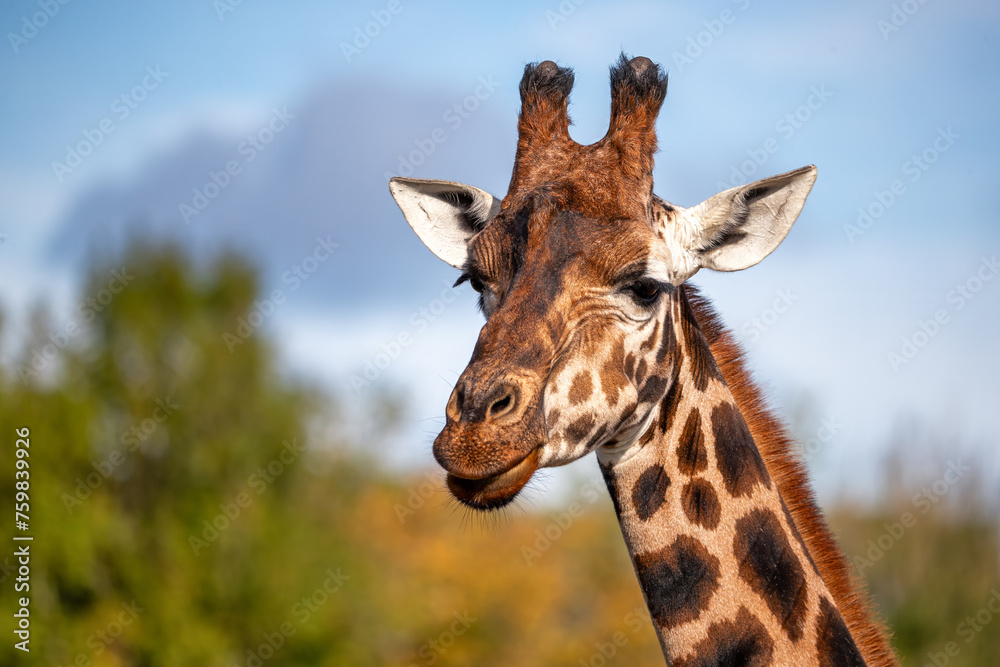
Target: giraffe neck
725 573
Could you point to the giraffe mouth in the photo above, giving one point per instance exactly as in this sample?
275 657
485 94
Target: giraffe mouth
495 491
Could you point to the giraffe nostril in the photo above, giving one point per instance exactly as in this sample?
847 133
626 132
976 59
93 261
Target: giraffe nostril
502 405
499 406
456 403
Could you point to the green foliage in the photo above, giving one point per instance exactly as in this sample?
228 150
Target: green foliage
138 436
930 578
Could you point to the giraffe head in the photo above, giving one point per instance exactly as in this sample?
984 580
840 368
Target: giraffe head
576 268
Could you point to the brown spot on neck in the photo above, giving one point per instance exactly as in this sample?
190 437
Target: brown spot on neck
649 491
692 456
834 645
700 503
742 641
736 454
769 566
679 581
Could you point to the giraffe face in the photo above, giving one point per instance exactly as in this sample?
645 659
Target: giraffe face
576 268
571 356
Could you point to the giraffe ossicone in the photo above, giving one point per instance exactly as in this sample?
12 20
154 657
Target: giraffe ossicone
593 341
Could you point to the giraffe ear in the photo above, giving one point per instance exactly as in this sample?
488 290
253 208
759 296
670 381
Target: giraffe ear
445 215
739 227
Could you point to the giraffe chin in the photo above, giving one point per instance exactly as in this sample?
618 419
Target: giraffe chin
496 491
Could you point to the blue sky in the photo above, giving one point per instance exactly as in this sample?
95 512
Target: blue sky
895 102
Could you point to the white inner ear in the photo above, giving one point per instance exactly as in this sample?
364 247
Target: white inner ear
444 214
736 228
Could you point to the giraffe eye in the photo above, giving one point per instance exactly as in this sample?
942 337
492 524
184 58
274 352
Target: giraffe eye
645 290
476 284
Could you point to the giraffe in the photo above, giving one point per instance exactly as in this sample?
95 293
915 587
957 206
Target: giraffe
594 341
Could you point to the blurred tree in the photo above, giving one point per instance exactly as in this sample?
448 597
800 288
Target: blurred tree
930 552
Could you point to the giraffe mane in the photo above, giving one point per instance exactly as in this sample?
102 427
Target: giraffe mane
789 473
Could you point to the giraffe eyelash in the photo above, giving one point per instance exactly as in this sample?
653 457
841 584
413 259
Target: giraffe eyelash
476 283
466 277
646 291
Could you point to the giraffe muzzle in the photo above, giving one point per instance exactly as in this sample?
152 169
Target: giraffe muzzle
491 442
494 492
